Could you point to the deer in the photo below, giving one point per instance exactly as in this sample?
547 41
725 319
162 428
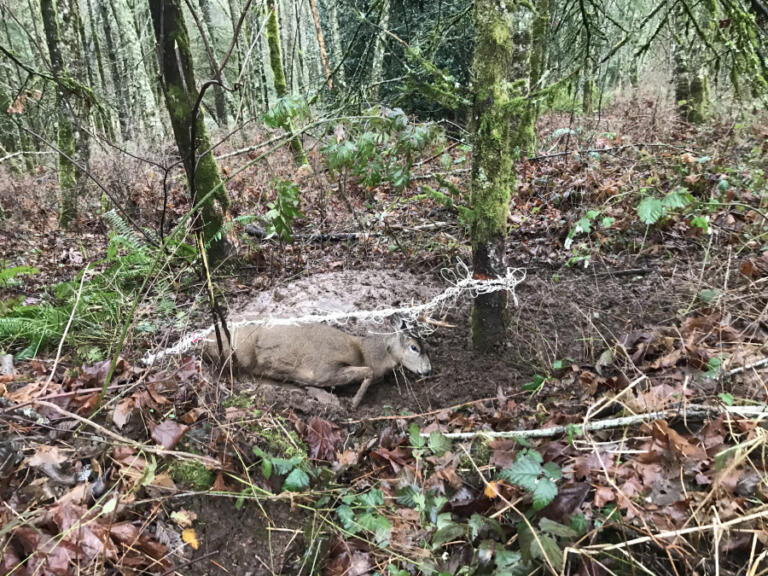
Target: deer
319 355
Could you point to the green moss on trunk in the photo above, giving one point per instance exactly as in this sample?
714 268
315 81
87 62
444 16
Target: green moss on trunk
499 115
206 185
65 133
278 73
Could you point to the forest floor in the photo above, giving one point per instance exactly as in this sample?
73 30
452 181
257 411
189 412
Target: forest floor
185 469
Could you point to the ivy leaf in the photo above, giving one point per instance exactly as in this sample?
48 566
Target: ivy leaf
524 472
285 465
551 549
417 441
347 518
579 523
650 210
448 533
407 496
552 471
557 529
438 443
296 481
372 499
544 493
678 198
378 525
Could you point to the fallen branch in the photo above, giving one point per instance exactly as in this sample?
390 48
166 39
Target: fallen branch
758 364
692 411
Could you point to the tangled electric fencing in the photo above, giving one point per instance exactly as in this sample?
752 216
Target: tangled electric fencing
414 317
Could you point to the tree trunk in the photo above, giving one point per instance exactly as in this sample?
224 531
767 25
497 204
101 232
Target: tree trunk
321 43
8 144
377 67
119 82
65 131
181 94
338 53
103 112
72 33
141 94
219 96
281 89
500 84
539 37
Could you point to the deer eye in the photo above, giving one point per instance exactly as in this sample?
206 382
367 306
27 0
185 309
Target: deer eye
414 348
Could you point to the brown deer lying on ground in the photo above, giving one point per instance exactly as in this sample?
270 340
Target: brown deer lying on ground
320 355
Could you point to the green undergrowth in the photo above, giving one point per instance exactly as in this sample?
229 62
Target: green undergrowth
93 306
520 540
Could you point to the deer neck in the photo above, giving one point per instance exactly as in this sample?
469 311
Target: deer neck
376 354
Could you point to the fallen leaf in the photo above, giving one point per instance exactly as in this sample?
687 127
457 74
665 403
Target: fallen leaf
189 536
323 438
183 518
168 433
491 490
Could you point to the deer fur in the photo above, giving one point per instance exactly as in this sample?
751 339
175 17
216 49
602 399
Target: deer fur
319 355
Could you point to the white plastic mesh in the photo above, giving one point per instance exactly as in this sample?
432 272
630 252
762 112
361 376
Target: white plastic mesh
416 318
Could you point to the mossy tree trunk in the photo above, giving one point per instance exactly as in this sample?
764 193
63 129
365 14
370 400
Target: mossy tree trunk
120 88
278 74
691 90
377 66
338 52
501 70
8 144
72 35
219 96
141 96
65 130
106 117
181 94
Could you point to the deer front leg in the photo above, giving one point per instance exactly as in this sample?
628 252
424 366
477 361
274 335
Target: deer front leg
361 392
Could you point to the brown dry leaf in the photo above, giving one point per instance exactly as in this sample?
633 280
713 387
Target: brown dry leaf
347 458
46 558
688 158
679 444
183 518
47 456
95 375
346 560
122 412
189 536
168 433
29 392
193 415
504 452
323 439
569 498
604 495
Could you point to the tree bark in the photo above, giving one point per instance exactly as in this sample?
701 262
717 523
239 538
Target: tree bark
377 67
181 94
141 94
219 97
65 131
500 85
119 82
338 53
321 43
281 88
